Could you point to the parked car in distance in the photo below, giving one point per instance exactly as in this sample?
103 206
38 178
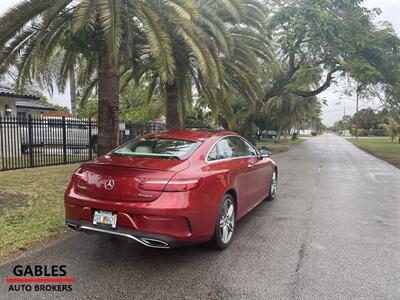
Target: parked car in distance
270 134
171 189
49 132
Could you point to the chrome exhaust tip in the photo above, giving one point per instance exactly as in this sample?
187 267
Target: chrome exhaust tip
72 226
154 243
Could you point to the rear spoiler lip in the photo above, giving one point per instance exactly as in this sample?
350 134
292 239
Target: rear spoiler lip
113 165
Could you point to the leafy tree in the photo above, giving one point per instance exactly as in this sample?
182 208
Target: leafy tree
135 106
343 124
89 110
392 128
366 119
318 40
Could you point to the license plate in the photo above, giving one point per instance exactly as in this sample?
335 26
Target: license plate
105 218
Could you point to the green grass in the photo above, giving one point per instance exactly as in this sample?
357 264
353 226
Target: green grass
277 146
383 148
31 206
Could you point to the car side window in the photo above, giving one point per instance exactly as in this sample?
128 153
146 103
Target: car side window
224 149
243 148
212 155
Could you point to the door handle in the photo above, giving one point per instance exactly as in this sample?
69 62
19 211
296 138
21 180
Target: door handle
250 166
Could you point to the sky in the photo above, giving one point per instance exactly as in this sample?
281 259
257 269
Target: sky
338 103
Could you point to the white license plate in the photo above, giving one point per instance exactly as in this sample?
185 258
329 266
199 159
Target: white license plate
105 218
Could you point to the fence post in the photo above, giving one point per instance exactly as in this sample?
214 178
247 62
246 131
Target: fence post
90 140
30 140
64 137
1 144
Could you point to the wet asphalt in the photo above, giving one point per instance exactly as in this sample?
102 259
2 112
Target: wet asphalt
332 233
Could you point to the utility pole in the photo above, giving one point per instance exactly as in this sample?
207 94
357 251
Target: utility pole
359 87
357 115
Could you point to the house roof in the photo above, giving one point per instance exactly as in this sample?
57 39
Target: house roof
58 114
32 104
8 92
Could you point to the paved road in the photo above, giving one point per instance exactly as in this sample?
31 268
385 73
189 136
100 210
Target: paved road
332 233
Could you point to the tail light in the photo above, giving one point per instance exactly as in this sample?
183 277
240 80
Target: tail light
173 185
80 178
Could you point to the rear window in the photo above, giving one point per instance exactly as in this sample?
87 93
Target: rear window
158 148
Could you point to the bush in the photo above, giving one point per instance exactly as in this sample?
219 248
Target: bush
368 132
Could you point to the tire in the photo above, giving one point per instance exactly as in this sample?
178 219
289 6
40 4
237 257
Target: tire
225 223
273 186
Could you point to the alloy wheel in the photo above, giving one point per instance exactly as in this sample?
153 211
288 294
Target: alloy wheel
227 221
274 184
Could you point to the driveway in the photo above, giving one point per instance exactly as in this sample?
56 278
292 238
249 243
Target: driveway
332 232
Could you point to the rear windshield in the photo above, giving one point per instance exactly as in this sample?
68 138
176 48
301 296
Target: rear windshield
158 148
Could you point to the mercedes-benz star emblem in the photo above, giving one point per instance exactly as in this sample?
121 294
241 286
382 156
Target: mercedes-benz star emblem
109 184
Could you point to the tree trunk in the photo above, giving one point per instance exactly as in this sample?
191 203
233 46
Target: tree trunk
223 122
244 131
172 112
251 118
108 93
72 88
280 132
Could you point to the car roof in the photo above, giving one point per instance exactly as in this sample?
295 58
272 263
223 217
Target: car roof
189 135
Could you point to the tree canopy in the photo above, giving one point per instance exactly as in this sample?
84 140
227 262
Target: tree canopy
244 59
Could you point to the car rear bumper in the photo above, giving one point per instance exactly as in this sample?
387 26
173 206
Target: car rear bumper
174 218
146 239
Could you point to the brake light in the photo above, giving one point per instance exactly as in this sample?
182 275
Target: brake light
80 176
173 185
156 185
182 185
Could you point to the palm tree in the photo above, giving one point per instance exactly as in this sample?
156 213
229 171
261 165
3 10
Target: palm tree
72 91
100 32
194 56
217 52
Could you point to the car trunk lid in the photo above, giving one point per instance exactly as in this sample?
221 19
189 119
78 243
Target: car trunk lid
119 178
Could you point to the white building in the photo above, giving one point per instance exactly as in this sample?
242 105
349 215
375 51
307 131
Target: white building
20 105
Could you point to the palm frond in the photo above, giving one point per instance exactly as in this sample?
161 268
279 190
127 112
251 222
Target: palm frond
84 15
110 22
18 16
233 7
159 42
217 29
184 8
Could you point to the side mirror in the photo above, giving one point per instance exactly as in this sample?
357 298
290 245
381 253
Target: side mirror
264 153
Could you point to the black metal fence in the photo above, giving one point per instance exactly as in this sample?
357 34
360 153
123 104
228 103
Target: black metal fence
134 130
35 142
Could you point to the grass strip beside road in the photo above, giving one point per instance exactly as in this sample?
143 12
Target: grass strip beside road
31 206
383 148
278 146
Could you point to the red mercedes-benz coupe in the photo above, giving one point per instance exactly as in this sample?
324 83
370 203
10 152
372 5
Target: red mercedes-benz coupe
171 188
